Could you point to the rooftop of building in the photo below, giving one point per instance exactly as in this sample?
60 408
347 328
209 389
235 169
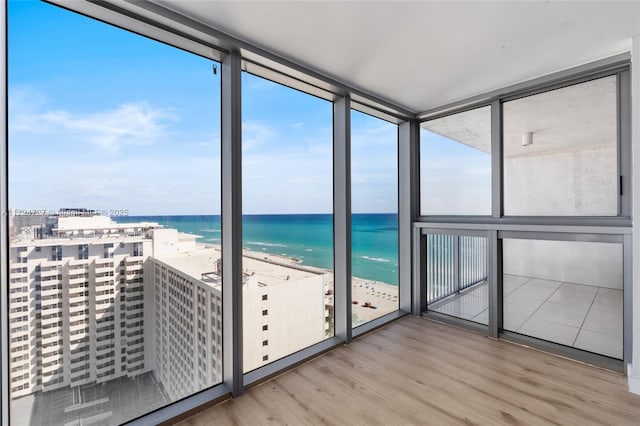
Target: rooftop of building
82 229
259 269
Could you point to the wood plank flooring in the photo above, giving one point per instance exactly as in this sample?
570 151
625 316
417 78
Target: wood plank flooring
416 371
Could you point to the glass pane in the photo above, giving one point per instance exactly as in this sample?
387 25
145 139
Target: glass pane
458 276
455 164
565 292
287 175
374 222
560 152
114 188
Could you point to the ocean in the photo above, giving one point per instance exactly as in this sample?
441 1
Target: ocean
307 237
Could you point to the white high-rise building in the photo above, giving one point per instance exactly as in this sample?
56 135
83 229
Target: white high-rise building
93 300
188 323
77 302
188 315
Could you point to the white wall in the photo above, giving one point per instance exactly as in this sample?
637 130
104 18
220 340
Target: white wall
296 319
84 222
169 242
634 368
565 183
597 264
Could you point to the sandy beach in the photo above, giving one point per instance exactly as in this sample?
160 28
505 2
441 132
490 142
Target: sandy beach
370 299
382 297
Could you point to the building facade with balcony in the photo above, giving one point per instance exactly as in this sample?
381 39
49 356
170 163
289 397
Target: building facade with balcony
79 311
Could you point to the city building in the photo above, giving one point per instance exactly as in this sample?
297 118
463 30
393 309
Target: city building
188 322
77 294
135 298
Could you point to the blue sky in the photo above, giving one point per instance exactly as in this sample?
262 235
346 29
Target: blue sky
105 119
455 178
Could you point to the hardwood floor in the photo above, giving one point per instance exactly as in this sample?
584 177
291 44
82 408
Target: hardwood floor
416 371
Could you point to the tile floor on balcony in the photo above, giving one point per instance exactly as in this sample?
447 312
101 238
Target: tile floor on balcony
582 316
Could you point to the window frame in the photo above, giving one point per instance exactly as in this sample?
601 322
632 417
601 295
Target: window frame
616 66
467 108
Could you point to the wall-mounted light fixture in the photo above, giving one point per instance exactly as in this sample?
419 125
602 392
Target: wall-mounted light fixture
527 138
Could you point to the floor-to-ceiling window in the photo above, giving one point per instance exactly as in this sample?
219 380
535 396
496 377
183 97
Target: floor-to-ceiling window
532 191
287 201
455 179
455 164
567 292
114 280
114 195
560 152
561 159
374 219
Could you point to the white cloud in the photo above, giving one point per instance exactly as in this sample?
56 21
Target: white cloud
135 123
374 135
255 134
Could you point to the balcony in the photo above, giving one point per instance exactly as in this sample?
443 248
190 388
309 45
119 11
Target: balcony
52 274
78 327
53 338
103 298
51 370
585 315
78 264
77 279
52 320
77 296
55 292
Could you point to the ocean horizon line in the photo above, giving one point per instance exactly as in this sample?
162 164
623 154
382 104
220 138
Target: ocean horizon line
307 236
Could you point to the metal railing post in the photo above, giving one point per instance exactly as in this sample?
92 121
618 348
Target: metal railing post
456 263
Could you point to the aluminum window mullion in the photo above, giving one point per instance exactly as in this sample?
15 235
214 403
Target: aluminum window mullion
444 227
342 218
624 141
453 231
4 243
494 263
419 268
408 159
497 169
231 179
558 236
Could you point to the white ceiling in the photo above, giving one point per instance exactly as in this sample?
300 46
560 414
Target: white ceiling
424 54
572 118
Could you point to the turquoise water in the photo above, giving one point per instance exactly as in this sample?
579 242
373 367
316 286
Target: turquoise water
307 237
